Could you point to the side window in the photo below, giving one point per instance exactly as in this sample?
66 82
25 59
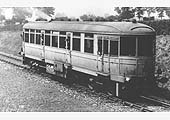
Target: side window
47 37
47 40
32 38
105 47
102 45
62 42
26 37
89 35
76 41
145 45
88 46
76 44
128 46
68 39
38 36
88 42
54 41
114 48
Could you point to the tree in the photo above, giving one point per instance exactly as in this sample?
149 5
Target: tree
2 17
139 12
89 17
47 10
20 14
149 10
167 11
112 18
98 19
125 12
160 11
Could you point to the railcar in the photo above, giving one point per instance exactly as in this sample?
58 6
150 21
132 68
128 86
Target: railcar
117 55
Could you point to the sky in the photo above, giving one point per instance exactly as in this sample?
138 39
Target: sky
76 8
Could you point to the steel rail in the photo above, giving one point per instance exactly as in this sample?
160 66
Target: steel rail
164 104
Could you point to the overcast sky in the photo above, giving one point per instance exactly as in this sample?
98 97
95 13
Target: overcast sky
78 7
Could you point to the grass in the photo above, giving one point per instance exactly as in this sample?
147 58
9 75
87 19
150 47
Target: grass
10 42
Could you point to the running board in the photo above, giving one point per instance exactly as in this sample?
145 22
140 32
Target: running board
103 74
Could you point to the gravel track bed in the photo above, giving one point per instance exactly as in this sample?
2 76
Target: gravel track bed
24 91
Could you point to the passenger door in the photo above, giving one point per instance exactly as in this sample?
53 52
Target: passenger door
103 58
68 47
43 45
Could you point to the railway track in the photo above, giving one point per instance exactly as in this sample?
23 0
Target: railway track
14 60
157 101
134 105
18 62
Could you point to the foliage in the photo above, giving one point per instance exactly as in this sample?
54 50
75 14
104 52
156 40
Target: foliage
149 10
139 12
88 17
160 11
125 12
2 17
163 54
160 26
47 10
20 14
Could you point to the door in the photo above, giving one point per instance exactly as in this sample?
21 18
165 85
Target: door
68 47
103 58
43 45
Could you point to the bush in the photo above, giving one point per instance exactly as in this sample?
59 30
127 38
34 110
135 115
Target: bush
161 26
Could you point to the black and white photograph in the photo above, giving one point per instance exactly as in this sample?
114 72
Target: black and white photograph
85 56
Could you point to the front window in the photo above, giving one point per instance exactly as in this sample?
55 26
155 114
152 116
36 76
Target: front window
128 46
136 45
145 45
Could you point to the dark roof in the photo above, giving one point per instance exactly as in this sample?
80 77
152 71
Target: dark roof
95 27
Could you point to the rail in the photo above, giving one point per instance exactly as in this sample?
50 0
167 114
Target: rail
159 102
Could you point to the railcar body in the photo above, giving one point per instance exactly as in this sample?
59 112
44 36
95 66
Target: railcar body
121 53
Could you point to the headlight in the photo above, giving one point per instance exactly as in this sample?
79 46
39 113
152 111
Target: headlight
127 79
